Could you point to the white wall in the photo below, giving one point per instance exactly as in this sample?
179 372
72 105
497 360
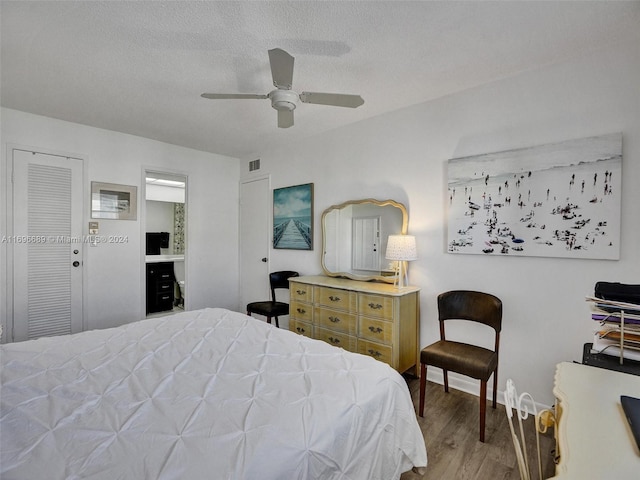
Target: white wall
114 273
403 155
159 217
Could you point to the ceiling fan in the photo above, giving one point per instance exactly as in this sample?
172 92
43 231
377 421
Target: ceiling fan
283 99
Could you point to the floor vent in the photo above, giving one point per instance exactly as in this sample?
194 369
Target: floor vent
254 165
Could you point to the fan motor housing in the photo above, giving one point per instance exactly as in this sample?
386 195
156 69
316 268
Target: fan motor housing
284 99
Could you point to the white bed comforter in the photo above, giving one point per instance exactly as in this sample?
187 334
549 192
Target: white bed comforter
208 394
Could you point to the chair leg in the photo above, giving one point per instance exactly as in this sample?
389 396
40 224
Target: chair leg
268 319
423 384
495 387
445 374
483 408
277 323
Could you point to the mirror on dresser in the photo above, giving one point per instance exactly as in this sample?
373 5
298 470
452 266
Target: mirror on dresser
354 238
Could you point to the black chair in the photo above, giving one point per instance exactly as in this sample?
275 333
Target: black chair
273 308
470 360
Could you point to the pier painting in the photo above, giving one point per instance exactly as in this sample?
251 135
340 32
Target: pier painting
293 217
556 200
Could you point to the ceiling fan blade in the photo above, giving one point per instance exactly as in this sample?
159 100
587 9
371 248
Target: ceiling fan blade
285 118
334 99
228 96
281 68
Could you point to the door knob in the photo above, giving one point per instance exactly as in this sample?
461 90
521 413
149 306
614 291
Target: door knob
264 259
76 263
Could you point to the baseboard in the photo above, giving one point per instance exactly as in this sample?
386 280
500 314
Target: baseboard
467 385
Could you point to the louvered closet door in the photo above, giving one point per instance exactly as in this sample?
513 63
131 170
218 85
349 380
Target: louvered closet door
47 245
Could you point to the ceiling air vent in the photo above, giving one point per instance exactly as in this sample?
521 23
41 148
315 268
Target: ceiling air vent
254 165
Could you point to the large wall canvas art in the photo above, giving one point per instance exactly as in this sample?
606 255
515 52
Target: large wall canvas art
293 217
555 200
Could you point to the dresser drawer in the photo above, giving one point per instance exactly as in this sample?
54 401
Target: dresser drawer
301 292
376 329
336 320
160 302
301 311
375 306
163 287
337 339
336 298
302 328
375 350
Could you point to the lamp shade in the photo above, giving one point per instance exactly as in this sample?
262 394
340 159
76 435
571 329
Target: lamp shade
401 247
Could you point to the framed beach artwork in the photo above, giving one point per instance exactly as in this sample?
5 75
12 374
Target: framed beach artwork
293 217
555 200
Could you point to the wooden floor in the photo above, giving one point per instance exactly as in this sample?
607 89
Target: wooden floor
450 428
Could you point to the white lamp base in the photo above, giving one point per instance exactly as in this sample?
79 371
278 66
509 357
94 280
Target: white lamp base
402 275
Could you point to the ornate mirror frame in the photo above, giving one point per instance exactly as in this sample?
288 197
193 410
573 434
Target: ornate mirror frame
362 276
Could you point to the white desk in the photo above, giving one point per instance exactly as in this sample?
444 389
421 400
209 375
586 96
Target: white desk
594 439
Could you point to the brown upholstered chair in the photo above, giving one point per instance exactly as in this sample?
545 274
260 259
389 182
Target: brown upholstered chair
470 360
273 308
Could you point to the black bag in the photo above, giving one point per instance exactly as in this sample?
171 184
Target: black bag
618 292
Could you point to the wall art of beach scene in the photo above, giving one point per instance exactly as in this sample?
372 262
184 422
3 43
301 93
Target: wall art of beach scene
293 217
555 200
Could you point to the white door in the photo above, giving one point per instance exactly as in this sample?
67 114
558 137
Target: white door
366 243
46 244
255 238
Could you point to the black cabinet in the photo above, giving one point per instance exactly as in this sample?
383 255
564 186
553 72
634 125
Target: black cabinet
160 286
610 362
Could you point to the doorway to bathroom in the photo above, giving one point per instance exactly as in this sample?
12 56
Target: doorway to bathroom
165 243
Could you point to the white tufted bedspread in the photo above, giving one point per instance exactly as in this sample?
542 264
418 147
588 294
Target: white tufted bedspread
210 394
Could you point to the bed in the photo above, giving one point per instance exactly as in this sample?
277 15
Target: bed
205 394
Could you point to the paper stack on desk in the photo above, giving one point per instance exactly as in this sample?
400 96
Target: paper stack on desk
618 330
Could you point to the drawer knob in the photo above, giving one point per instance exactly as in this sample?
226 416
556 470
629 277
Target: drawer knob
301 310
375 329
334 299
300 329
374 353
301 292
375 306
334 319
335 341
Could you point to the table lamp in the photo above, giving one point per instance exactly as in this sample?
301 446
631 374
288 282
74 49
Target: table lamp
401 248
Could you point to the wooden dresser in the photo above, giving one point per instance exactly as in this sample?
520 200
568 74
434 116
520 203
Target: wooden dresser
375 319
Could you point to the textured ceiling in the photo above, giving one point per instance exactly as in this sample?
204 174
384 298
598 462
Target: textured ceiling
139 67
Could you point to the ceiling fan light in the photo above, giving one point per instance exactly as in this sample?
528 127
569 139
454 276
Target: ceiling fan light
288 106
283 99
